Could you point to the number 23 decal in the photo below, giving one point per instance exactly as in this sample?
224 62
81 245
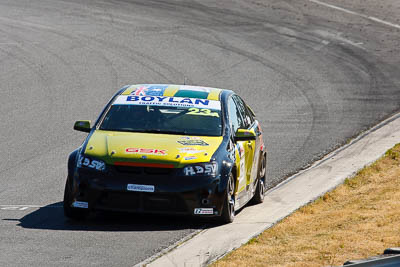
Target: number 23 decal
202 112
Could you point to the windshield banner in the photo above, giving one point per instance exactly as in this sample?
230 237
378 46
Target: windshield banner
167 101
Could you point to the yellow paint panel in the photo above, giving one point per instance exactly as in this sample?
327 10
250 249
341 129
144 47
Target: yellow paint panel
171 90
214 94
129 90
176 150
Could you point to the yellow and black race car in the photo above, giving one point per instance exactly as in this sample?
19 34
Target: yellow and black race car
159 148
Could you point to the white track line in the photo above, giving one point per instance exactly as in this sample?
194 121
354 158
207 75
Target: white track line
357 14
31 206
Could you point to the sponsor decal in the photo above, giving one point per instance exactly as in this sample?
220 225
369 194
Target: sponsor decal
195 88
140 188
94 164
190 150
192 142
242 166
80 204
150 90
260 136
190 137
241 150
190 158
207 169
204 211
202 112
167 101
139 91
159 152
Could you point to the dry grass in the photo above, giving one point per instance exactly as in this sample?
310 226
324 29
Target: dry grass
356 220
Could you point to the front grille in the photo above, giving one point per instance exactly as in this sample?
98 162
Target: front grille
130 170
137 201
143 170
158 171
163 202
120 200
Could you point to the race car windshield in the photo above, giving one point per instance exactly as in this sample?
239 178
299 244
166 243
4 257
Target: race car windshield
163 119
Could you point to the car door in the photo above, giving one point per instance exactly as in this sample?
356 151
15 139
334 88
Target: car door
236 122
249 146
259 144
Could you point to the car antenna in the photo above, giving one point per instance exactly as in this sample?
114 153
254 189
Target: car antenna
184 80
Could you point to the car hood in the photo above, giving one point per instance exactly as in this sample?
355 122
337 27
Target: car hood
148 149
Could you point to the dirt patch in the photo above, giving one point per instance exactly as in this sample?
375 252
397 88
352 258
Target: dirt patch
356 220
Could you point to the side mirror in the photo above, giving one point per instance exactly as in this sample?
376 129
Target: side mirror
83 126
245 135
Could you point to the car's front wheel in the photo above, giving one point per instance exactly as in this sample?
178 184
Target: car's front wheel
69 211
228 210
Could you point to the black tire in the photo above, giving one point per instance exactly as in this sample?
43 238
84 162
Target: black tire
258 197
260 190
228 210
70 212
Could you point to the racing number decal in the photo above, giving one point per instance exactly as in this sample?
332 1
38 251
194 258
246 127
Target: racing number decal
245 162
202 112
242 166
249 151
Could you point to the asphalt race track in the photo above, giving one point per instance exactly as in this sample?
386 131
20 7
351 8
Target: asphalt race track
315 76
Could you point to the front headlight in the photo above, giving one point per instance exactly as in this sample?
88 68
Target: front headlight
201 169
86 162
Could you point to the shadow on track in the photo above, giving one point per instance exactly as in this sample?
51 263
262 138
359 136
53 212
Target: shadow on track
51 217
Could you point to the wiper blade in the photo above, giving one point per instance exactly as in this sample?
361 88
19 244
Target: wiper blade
165 131
146 131
124 130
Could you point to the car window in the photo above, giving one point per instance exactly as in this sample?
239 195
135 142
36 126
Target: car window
247 119
249 113
170 116
235 119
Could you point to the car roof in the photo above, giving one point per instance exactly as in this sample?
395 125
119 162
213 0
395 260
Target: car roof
175 90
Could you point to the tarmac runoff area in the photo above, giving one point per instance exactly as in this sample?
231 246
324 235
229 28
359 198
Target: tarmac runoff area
298 190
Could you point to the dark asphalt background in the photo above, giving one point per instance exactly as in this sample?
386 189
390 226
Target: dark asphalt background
314 76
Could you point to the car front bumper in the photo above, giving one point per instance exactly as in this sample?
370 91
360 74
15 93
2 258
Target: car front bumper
172 194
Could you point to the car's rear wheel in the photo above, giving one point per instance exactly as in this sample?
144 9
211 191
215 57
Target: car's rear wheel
228 210
260 190
69 211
